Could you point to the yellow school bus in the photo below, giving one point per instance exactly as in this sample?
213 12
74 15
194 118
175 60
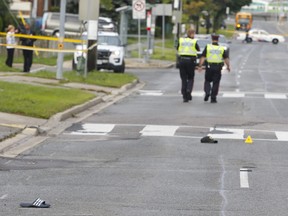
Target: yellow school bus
243 21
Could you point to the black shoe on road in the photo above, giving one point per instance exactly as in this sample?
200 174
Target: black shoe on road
206 97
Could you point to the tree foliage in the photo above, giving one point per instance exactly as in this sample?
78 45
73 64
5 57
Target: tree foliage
4 14
193 10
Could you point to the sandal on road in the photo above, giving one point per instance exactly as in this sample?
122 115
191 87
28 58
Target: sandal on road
38 203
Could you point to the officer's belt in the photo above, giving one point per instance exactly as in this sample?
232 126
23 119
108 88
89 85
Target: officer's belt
215 64
187 57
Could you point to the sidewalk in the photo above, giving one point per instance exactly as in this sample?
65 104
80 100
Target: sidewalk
18 133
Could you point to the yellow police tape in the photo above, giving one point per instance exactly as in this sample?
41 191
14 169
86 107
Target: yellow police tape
69 40
60 45
49 49
43 49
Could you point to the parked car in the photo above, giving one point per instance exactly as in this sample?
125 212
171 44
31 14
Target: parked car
73 26
261 36
110 52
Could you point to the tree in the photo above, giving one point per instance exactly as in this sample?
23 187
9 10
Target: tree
221 5
193 10
5 17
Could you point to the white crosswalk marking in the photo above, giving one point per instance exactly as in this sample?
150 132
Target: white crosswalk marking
91 129
151 92
281 135
225 94
95 129
159 130
226 133
233 94
275 96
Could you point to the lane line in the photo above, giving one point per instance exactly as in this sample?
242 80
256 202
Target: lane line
281 135
3 197
244 183
275 96
226 133
95 129
159 130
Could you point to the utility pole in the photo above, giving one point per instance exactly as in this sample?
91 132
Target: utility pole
60 58
89 11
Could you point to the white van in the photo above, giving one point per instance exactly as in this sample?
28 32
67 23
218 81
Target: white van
73 26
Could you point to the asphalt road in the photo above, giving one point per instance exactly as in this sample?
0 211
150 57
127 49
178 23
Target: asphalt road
143 156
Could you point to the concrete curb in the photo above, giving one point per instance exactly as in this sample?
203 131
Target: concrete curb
29 137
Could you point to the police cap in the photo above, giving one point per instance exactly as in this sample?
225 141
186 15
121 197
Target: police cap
214 37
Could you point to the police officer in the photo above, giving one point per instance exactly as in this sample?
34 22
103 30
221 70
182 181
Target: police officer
215 56
187 51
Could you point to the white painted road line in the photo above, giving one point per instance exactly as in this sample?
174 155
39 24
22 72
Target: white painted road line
151 92
226 133
282 135
244 183
95 129
234 95
275 96
159 130
3 197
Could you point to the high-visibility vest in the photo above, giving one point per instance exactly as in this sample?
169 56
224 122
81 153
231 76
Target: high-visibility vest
214 53
187 47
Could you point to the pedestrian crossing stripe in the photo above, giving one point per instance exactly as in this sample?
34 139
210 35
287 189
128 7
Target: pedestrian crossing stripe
224 94
281 135
174 131
225 133
151 92
159 130
95 129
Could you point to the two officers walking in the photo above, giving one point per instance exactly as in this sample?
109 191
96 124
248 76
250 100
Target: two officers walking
215 56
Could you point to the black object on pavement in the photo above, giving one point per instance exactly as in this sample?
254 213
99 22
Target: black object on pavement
38 203
208 139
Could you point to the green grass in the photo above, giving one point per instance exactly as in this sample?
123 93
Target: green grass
106 79
38 101
50 61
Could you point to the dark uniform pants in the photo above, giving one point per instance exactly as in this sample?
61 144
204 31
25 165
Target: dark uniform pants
212 75
28 58
187 73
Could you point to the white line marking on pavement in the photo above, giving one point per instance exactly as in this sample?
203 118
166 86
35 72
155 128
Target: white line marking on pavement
151 92
275 96
226 133
244 178
3 197
159 130
234 95
197 93
95 129
281 135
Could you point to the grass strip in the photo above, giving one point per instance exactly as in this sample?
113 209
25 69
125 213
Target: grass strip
37 101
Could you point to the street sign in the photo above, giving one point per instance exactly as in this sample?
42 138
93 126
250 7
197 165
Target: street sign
89 9
139 9
162 10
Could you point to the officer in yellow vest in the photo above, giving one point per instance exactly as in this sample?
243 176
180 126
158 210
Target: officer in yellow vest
215 56
187 51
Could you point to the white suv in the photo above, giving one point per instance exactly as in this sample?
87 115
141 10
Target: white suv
110 52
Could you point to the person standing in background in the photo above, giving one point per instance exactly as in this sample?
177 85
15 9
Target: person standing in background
11 42
28 54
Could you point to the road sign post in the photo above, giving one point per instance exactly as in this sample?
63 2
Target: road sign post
139 12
